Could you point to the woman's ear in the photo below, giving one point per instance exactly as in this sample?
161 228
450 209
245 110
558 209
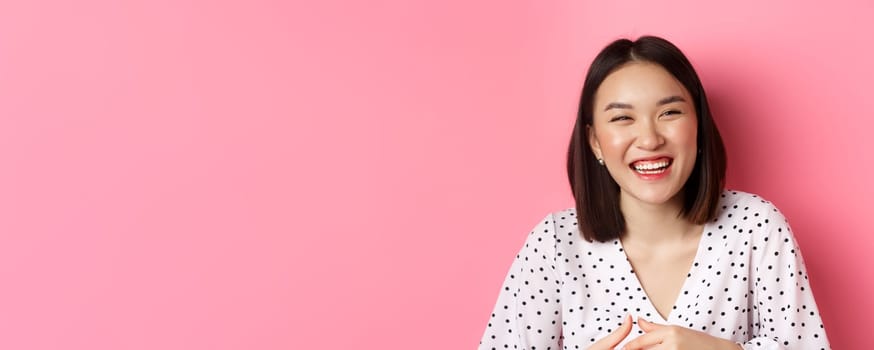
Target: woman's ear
593 142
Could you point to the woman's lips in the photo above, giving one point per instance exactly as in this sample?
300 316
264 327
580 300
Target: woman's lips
652 168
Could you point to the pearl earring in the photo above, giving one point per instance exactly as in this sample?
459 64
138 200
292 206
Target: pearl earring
601 161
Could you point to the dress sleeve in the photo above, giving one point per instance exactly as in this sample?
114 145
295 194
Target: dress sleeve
527 314
784 315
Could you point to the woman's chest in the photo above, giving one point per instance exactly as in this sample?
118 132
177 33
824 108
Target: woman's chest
600 286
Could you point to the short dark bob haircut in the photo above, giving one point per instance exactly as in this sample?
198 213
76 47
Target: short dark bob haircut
596 193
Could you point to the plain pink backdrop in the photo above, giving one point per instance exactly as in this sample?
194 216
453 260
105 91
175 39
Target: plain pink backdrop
360 174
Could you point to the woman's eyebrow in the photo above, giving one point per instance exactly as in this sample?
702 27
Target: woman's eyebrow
618 105
664 101
670 99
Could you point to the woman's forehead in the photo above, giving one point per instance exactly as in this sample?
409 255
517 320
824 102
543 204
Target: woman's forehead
639 83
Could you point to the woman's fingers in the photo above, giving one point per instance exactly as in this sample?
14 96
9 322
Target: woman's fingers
660 336
615 337
651 338
644 341
647 326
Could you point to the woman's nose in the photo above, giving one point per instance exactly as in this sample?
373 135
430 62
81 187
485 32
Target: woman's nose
649 137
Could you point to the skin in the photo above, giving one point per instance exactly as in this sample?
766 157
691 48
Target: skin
642 111
630 123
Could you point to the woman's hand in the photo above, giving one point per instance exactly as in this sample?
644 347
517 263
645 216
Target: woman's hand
662 337
615 337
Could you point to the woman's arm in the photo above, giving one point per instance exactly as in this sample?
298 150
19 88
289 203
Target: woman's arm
785 315
527 314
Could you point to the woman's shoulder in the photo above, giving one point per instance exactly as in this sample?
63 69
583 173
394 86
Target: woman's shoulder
729 199
750 214
556 223
565 221
739 201
562 228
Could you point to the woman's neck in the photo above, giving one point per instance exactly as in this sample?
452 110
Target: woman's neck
655 224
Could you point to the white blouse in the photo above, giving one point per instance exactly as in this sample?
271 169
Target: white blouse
747 284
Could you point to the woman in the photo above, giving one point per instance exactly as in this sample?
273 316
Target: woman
655 255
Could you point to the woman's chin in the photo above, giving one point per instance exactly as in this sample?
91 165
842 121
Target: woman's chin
654 198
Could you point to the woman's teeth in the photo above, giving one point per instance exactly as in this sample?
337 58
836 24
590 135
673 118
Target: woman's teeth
651 168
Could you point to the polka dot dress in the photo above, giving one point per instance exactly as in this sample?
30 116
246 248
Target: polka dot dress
747 284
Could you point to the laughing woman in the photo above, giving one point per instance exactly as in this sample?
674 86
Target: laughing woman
655 254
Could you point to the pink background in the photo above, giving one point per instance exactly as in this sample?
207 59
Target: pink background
360 174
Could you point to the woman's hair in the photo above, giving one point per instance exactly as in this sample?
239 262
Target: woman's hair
596 193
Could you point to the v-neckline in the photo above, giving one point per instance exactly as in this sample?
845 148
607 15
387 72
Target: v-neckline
683 288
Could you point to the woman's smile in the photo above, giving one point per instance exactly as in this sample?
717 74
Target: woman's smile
652 169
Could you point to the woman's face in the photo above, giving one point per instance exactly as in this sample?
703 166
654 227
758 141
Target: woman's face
645 130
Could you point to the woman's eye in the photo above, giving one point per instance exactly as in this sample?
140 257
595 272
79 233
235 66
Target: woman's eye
672 112
620 118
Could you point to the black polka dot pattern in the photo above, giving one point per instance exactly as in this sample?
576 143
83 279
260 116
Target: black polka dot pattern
747 284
